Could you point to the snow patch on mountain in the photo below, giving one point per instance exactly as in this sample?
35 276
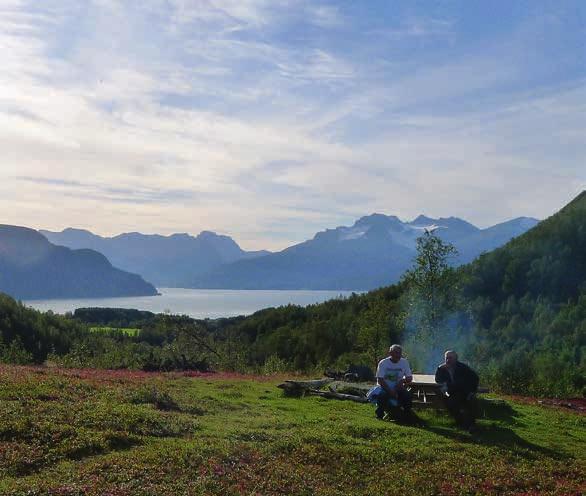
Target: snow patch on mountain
348 233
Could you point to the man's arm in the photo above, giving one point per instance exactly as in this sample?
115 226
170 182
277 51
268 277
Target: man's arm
440 375
407 376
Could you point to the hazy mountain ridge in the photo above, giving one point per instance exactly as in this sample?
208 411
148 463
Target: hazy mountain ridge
168 261
373 252
31 267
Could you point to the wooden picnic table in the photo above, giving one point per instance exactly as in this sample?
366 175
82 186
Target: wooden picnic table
427 393
424 380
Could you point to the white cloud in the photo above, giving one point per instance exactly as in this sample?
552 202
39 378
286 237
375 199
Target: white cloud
167 116
326 16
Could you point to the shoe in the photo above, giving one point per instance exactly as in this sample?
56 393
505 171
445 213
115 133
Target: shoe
380 413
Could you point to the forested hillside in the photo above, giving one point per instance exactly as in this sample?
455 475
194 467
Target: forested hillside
28 336
528 300
335 333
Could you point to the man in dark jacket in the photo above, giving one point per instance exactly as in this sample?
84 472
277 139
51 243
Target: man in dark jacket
459 386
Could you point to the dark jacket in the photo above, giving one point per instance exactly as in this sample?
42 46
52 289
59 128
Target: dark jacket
465 379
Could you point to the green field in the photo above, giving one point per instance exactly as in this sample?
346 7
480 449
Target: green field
129 331
94 432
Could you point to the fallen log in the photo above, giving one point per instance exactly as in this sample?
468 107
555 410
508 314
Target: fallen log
353 389
337 396
299 388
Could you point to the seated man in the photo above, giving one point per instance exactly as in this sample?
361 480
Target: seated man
460 384
392 375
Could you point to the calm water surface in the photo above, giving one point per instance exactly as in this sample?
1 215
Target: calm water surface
197 303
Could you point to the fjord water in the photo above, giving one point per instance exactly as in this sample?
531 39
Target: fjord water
197 303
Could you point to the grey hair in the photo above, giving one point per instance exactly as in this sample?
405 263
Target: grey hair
452 352
396 347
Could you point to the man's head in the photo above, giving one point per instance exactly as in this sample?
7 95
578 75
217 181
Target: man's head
451 357
395 352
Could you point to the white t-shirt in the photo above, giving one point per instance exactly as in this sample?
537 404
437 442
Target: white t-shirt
393 372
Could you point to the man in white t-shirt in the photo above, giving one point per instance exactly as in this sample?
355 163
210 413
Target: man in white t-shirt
392 375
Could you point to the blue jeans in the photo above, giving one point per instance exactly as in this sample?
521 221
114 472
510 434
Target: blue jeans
383 405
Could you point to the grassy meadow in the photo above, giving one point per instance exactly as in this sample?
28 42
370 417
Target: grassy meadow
95 432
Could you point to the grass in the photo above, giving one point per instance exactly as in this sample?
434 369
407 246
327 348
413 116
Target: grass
129 331
87 432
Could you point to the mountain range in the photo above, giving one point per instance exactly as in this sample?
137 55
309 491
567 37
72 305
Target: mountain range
32 268
373 252
166 261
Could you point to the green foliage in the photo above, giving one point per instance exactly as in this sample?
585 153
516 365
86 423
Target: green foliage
431 284
15 353
36 334
275 365
114 317
305 338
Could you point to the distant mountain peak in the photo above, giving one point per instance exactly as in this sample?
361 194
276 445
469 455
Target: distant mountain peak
379 220
76 230
453 222
376 216
20 233
208 233
422 220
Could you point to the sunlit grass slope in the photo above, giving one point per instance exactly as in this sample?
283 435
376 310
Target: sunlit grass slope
74 432
128 331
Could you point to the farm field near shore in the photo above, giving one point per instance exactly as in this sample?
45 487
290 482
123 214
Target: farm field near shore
93 432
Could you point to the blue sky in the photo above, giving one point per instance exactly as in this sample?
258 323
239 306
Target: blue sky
271 120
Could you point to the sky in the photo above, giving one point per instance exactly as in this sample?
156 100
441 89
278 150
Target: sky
271 120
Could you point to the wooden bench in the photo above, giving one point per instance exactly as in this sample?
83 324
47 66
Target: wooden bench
427 393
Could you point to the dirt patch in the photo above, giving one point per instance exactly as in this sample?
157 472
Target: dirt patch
577 404
574 404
